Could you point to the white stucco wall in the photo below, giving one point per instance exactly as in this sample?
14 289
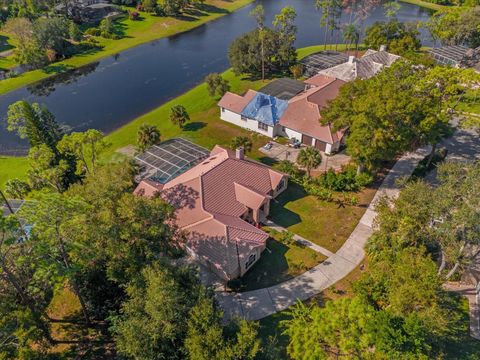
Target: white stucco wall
289 133
249 124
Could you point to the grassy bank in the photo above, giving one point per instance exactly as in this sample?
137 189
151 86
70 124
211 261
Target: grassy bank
205 127
12 167
426 4
134 33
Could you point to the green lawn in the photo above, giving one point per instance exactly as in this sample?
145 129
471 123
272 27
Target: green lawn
426 4
12 167
470 103
134 33
279 262
465 347
205 127
324 223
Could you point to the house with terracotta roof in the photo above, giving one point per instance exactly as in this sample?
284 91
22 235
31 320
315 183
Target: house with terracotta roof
219 203
302 118
296 118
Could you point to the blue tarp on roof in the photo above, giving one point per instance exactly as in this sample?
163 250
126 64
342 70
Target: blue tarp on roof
265 109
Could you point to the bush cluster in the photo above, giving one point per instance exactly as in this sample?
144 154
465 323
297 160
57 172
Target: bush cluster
324 185
345 180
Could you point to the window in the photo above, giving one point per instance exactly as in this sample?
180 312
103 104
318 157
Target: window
223 109
244 118
262 126
251 260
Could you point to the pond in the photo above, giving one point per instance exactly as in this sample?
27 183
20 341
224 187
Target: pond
108 94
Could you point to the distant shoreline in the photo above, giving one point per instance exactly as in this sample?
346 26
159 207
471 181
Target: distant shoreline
426 4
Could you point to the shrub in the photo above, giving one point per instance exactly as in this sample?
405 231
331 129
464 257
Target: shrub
363 179
93 31
313 188
292 170
346 180
286 237
297 70
133 15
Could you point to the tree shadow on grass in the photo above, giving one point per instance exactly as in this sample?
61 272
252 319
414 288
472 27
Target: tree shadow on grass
186 17
4 45
279 213
56 69
270 269
267 160
194 126
211 9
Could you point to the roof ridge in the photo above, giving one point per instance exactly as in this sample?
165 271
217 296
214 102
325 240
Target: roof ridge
249 188
208 218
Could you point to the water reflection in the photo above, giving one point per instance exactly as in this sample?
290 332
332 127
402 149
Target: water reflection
117 89
45 87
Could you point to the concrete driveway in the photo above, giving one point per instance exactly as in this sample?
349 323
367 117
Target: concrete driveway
281 152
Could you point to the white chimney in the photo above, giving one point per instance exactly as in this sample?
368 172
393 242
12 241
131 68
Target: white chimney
351 58
240 153
383 47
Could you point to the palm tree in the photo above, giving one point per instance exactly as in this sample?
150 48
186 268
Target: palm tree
258 13
309 158
351 35
147 136
241 141
179 115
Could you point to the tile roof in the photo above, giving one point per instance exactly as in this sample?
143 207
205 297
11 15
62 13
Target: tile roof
209 200
319 80
265 108
364 68
236 103
304 112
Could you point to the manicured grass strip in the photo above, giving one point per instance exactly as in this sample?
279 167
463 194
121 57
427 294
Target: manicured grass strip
279 262
205 127
12 167
324 223
135 33
426 4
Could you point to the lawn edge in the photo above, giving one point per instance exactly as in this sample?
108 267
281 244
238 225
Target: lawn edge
102 55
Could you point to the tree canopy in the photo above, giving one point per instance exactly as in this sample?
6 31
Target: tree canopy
403 107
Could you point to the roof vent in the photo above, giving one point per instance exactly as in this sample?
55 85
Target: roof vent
351 58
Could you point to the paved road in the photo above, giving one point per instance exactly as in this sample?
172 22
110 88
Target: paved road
257 304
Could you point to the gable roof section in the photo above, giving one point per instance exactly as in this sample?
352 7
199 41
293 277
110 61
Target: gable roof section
319 80
364 68
265 108
209 200
236 103
304 112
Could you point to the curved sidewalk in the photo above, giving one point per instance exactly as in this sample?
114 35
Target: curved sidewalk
257 304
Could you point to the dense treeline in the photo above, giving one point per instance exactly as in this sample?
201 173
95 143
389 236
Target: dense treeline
399 308
118 253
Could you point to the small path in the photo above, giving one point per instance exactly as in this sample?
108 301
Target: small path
474 304
257 304
300 240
